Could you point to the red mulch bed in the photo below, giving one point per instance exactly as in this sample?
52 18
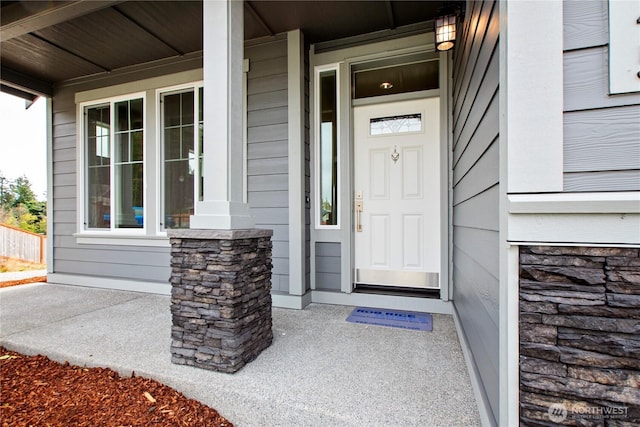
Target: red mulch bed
36 391
23 281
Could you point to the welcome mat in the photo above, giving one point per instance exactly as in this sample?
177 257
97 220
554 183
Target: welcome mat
392 318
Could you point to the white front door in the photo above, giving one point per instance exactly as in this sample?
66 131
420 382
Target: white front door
397 193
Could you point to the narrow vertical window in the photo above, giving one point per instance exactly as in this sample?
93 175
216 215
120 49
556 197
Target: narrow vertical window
182 132
98 167
200 142
128 164
180 158
328 147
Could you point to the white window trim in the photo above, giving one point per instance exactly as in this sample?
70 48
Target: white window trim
160 230
81 190
109 238
152 236
316 132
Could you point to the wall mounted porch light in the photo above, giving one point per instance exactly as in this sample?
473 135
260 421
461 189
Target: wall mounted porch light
445 29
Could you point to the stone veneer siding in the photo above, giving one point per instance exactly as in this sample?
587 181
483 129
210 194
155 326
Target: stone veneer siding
579 334
220 297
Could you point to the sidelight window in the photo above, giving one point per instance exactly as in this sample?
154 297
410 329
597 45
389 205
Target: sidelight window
327 128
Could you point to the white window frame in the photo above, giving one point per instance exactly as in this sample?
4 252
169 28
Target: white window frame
160 92
150 235
83 231
317 155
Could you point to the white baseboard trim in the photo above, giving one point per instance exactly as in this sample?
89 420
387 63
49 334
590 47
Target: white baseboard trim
486 415
383 301
110 283
296 302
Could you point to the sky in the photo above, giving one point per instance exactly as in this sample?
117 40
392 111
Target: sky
23 142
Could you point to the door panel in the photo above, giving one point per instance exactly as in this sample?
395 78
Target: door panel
380 241
379 181
413 241
397 184
412 176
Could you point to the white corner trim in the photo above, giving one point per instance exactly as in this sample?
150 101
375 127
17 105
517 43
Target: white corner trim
294 302
107 238
626 202
532 81
159 288
296 165
50 186
510 334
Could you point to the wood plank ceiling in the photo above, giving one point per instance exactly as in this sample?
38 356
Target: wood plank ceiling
42 43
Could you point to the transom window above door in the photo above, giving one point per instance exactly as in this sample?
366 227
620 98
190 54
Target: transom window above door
392 76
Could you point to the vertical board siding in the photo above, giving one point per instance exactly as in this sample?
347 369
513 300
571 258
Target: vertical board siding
328 261
267 150
475 190
601 131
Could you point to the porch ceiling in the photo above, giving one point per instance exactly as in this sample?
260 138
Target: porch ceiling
42 43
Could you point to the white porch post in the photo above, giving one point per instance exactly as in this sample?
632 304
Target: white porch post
222 206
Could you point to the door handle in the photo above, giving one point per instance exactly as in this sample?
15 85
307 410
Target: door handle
358 216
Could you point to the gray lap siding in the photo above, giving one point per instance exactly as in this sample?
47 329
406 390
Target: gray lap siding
476 190
266 169
267 149
601 131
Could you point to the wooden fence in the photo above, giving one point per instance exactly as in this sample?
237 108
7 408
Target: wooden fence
23 245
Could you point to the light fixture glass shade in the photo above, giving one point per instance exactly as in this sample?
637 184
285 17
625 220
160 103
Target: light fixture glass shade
445 32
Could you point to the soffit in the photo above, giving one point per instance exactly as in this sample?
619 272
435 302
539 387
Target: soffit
48 42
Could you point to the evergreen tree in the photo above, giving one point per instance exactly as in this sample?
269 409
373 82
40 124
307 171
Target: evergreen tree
19 206
24 195
6 195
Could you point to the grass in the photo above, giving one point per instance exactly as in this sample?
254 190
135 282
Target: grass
10 265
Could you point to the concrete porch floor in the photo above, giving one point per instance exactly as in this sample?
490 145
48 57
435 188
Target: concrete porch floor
320 370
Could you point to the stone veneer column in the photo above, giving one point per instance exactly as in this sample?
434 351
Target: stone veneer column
220 297
579 335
